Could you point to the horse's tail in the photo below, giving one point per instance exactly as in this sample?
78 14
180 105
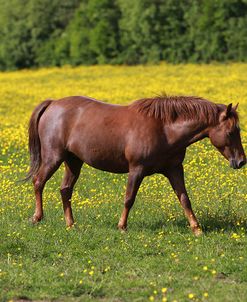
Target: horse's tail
34 140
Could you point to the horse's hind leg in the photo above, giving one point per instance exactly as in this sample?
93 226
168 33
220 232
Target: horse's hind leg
46 170
71 174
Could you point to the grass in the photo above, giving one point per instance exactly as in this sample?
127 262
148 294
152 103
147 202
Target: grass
158 259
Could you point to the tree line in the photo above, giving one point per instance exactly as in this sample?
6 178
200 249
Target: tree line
55 32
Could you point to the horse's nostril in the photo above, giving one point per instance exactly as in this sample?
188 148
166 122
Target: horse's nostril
241 163
233 164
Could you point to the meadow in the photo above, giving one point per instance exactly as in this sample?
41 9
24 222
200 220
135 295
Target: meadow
158 259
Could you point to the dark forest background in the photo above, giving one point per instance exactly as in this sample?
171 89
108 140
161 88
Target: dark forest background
58 32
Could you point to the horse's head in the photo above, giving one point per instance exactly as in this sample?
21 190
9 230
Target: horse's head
225 136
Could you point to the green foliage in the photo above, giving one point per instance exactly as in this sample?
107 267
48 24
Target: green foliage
53 32
29 29
91 36
73 44
15 46
139 31
103 16
215 31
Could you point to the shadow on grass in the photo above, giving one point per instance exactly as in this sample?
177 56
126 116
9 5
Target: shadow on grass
208 224
219 223
88 292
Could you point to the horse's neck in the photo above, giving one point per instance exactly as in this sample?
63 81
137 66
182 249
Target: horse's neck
198 132
186 133
202 133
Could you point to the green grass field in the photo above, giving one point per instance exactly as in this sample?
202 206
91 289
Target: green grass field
158 259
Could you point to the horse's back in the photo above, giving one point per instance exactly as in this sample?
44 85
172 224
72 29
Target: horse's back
69 109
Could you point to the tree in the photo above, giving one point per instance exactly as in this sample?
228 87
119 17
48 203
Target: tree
92 35
15 48
139 31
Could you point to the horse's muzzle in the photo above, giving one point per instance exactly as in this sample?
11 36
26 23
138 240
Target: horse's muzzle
237 164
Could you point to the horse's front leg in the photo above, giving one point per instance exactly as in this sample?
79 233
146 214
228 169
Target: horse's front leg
176 178
135 178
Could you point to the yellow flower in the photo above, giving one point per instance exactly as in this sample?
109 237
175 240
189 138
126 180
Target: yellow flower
191 296
235 236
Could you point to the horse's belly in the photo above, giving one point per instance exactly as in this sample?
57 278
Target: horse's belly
109 165
106 158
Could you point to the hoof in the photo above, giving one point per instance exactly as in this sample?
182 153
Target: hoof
197 231
35 219
122 228
70 226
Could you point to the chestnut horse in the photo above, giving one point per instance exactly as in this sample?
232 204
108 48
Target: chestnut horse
146 137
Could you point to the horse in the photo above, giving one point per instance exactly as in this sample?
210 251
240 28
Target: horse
145 137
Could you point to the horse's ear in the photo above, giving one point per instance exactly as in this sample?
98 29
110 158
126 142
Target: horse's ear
228 110
235 107
226 113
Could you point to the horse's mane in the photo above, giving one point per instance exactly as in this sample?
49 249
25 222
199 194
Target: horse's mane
169 108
